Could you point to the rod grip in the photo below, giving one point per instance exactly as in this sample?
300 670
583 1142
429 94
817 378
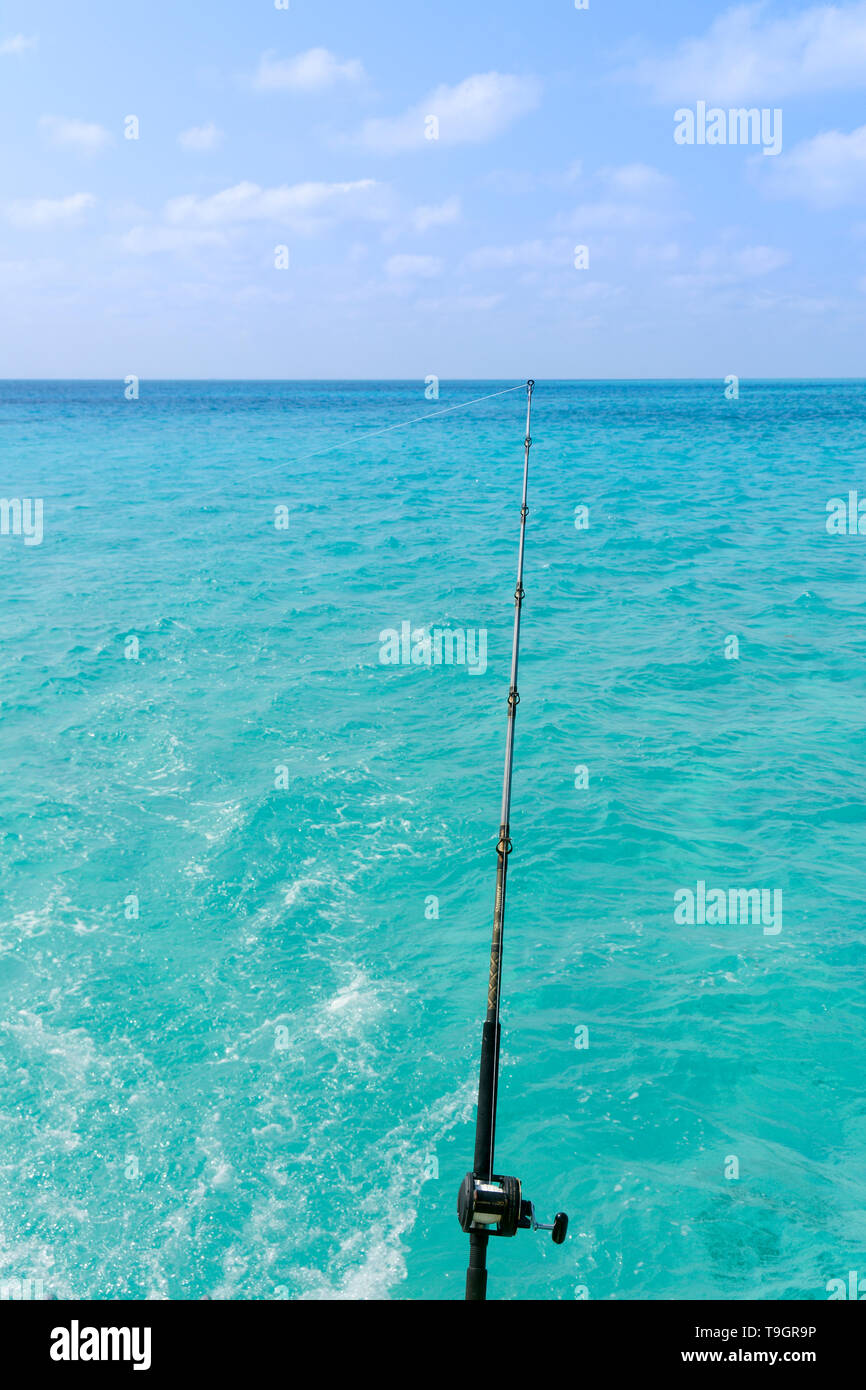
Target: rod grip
476 1274
486 1099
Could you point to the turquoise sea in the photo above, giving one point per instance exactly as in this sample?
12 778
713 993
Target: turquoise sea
237 1052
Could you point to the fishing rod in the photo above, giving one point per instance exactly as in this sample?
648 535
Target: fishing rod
488 1203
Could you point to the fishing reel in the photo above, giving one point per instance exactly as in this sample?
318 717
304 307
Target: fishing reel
498 1207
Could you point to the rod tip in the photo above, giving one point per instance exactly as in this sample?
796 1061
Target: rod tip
530 384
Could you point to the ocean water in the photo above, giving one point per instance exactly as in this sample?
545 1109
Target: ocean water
261 1085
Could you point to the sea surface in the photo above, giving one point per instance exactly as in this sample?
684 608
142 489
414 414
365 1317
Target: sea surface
247 868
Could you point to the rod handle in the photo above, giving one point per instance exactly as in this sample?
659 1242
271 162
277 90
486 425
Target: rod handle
486 1116
476 1274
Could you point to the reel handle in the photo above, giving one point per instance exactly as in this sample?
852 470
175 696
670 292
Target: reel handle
558 1228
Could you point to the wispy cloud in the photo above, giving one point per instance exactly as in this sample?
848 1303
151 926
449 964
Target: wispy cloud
635 180
18 43
17 275
49 212
657 253
827 171
522 255
413 267
438 215
629 196
477 109
84 136
199 139
746 55
312 71
148 240
607 215
520 182
303 207
725 266
461 303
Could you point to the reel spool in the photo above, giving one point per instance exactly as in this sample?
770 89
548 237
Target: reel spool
499 1208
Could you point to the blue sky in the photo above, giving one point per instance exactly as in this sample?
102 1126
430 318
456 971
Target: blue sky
306 128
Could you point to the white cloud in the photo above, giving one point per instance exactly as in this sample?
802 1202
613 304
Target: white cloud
460 304
439 215
19 43
747 56
18 276
721 266
662 253
631 196
526 254
200 138
146 240
609 215
828 170
799 304
413 267
304 207
84 136
519 183
476 110
308 72
635 180
760 260
49 212
581 291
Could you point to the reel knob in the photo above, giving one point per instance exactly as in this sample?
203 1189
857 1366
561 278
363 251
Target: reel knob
558 1229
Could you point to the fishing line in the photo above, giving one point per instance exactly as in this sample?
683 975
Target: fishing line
372 434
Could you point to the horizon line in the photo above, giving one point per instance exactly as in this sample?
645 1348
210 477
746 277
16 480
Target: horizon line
376 380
